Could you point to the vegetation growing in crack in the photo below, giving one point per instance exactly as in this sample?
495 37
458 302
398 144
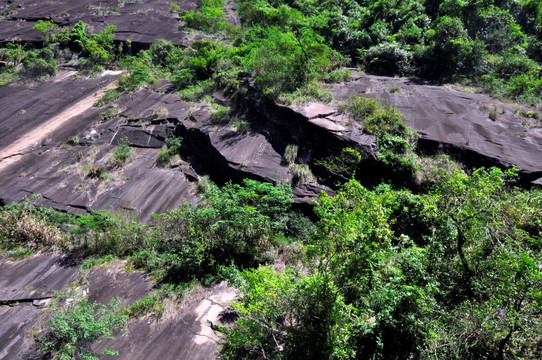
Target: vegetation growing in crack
169 151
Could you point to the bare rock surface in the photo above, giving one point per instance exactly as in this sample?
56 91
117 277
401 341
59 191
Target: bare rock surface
36 159
453 119
184 331
26 287
139 21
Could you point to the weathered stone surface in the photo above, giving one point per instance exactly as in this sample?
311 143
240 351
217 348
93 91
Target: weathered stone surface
450 118
36 128
185 333
315 110
112 280
37 277
141 22
25 287
328 124
185 330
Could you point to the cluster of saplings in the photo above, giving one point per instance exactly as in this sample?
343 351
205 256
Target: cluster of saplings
380 273
291 46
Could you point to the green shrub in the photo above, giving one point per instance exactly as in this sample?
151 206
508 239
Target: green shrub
150 303
110 96
242 126
208 17
25 225
96 172
222 115
493 115
375 118
236 225
48 28
79 325
197 91
168 151
301 174
387 58
344 164
39 65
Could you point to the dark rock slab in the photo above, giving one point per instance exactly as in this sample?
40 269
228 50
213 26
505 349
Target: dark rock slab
147 189
184 333
59 171
25 287
458 121
16 323
27 108
37 277
141 22
107 282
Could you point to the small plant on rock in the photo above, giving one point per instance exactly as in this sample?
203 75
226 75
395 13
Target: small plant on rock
290 154
168 151
122 154
301 174
242 126
160 112
493 115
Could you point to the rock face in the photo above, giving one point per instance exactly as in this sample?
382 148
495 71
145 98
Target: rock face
26 287
458 122
184 331
38 157
141 22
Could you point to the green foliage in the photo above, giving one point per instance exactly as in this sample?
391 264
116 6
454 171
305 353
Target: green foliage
39 65
387 58
398 275
150 303
301 173
110 96
282 316
208 17
242 126
236 226
343 165
222 115
100 46
25 225
290 154
48 28
122 154
103 233
80 324
395 142
375 118
168 151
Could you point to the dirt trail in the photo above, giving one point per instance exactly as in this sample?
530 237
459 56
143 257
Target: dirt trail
14 151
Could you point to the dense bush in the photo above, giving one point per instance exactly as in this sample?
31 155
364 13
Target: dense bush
39 65
75 328
449 274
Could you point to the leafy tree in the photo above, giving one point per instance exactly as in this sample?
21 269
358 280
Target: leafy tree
486 267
